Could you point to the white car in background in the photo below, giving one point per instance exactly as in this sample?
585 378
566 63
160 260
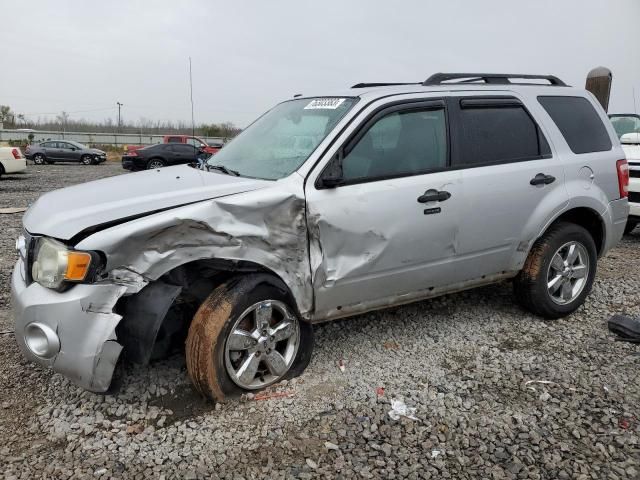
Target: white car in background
631 146
12 160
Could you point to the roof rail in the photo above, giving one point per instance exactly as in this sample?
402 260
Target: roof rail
493 78
367 85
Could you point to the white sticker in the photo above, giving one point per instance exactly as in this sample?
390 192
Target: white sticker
324 103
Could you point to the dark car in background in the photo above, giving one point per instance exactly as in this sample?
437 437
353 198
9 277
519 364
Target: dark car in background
52 151
162 155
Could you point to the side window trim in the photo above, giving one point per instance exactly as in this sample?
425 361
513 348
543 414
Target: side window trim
489 101
370 120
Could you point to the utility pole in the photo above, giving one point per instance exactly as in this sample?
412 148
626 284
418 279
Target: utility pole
193 123
119 117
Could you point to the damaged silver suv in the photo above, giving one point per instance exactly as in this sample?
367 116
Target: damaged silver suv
324 207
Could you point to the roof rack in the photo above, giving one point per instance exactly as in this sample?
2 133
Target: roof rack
367 85
493 78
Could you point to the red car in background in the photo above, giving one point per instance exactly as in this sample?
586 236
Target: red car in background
188 139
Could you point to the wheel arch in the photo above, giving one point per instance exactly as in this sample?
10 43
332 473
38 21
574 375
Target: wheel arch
586 217
166 306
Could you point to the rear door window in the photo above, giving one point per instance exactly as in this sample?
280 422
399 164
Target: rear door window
496 130
578 122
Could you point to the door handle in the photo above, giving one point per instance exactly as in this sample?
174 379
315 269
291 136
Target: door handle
542 179
433 195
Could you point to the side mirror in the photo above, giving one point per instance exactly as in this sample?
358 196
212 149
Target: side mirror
333 175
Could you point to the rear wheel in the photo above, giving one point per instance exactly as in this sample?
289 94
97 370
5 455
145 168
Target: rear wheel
245 337
155 163
631 225
39 159
559 271
86 160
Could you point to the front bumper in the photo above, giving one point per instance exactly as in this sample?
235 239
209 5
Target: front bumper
130 164
81 322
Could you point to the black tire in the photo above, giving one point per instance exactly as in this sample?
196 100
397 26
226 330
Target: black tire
39 159
631 225
155 163
86 160
531 285
213 322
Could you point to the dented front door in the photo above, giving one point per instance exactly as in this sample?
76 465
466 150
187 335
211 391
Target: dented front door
372 243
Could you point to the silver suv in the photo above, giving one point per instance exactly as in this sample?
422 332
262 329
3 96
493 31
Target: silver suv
324 207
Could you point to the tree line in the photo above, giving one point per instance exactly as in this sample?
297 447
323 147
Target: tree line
13 120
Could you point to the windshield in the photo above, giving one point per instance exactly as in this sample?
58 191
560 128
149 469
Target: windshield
79 145
624 124
276 144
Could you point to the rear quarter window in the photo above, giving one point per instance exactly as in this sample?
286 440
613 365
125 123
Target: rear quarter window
578 122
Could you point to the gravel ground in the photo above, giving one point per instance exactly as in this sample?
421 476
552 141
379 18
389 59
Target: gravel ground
497 393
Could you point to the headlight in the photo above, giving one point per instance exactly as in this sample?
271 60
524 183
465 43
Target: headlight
54 263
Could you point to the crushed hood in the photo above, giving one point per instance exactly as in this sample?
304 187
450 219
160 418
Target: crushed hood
66 212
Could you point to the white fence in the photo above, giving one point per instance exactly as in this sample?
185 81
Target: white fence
116 139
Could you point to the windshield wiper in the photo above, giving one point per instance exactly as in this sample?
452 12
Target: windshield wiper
220 168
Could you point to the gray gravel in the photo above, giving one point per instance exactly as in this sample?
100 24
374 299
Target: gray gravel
498 393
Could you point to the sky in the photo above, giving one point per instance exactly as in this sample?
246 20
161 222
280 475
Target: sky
83 56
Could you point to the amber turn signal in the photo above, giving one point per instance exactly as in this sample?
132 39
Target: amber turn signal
77 266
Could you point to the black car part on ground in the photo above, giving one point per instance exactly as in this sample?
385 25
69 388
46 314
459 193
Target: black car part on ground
625 328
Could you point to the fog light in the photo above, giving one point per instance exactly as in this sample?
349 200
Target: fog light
41 340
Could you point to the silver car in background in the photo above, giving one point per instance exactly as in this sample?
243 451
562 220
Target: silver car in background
52 151
325 207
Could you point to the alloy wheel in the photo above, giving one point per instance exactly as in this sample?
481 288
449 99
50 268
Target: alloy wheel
568 272
262 345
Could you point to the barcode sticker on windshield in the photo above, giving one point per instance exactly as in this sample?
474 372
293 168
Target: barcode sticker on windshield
324 103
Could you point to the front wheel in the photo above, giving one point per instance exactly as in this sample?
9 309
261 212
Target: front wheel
245 337
558 273
86 159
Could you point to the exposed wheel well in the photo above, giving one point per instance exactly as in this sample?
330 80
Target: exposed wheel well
156 324
588 219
